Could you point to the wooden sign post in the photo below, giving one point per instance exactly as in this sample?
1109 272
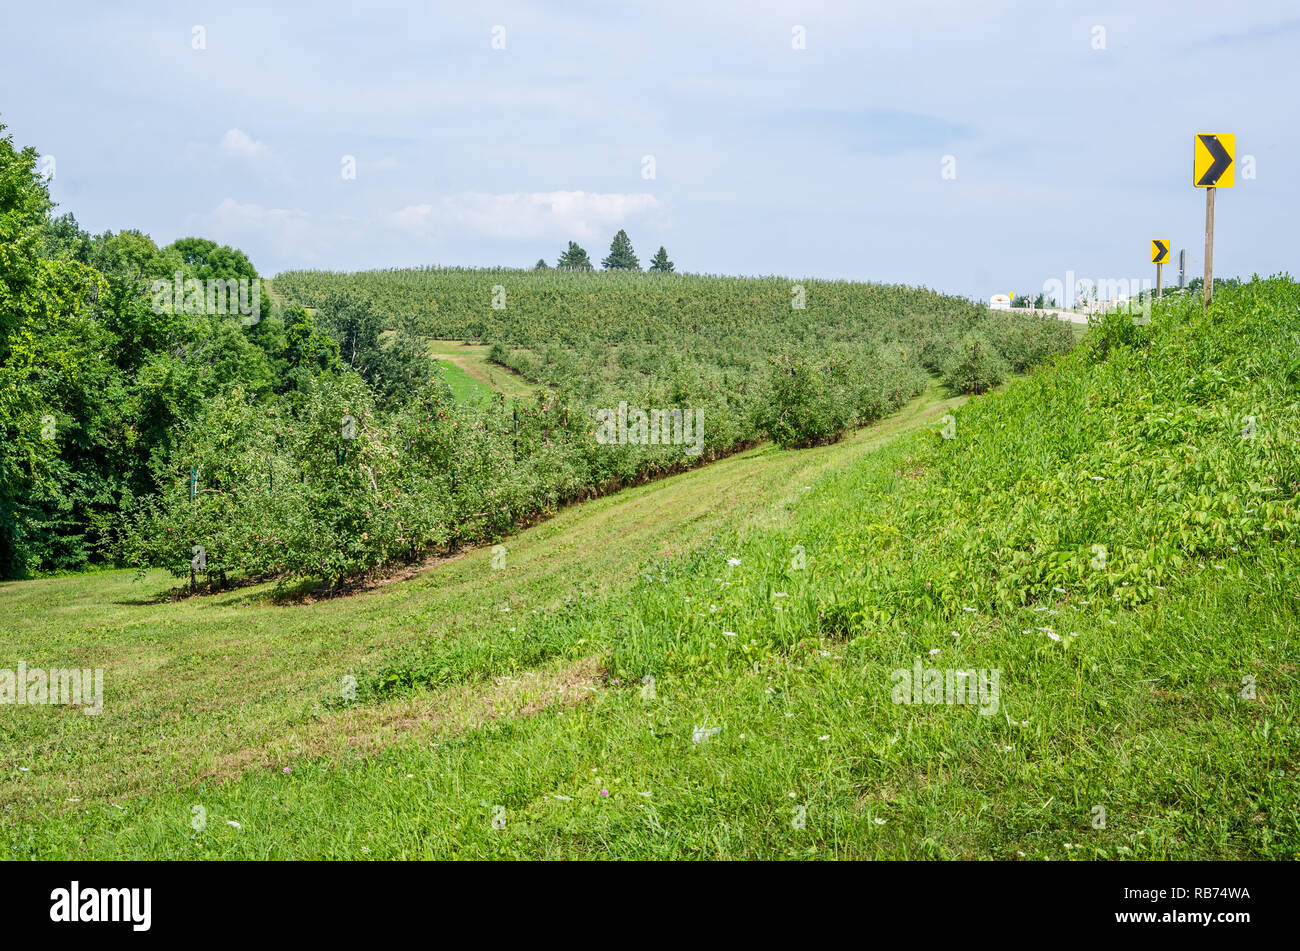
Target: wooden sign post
1208 289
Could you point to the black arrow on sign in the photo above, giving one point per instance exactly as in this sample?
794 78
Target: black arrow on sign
1221 159
1162 249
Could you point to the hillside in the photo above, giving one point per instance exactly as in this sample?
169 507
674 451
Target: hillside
1109 541
592 333
635 376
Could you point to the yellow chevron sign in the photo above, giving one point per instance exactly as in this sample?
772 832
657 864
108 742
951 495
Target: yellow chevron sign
1159 250
1212 163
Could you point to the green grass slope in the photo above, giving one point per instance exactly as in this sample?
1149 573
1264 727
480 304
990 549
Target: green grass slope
472 377
206 686
1114 536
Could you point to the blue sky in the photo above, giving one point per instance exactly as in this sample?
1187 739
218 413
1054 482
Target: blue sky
823 161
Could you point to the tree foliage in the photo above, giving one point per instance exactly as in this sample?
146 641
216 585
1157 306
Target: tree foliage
660 262
621 257
574 258
975 366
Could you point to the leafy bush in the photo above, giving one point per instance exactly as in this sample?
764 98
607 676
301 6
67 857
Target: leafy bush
805 404
1025 340
975 366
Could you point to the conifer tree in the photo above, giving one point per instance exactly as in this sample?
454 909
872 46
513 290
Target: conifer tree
621 256
574 259
660 261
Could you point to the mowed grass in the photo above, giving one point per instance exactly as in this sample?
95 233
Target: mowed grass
472 376
468 373
464 388
202 690
810 760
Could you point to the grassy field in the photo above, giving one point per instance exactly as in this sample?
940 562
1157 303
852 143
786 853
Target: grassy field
464 387
709 666
466 369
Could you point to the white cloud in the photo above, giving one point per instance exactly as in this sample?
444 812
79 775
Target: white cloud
282 227
240 144
527 216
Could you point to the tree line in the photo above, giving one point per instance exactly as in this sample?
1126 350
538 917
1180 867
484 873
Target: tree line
621 257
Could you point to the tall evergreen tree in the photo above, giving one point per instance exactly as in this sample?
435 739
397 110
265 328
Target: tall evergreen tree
660 261
541 265
621 256
574 259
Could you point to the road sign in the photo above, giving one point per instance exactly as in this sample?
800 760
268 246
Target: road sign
1159 255
1212 166
1212 155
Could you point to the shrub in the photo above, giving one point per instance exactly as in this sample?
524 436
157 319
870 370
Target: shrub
975 366
806 404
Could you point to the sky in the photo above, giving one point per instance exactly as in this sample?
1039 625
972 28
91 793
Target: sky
972 146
